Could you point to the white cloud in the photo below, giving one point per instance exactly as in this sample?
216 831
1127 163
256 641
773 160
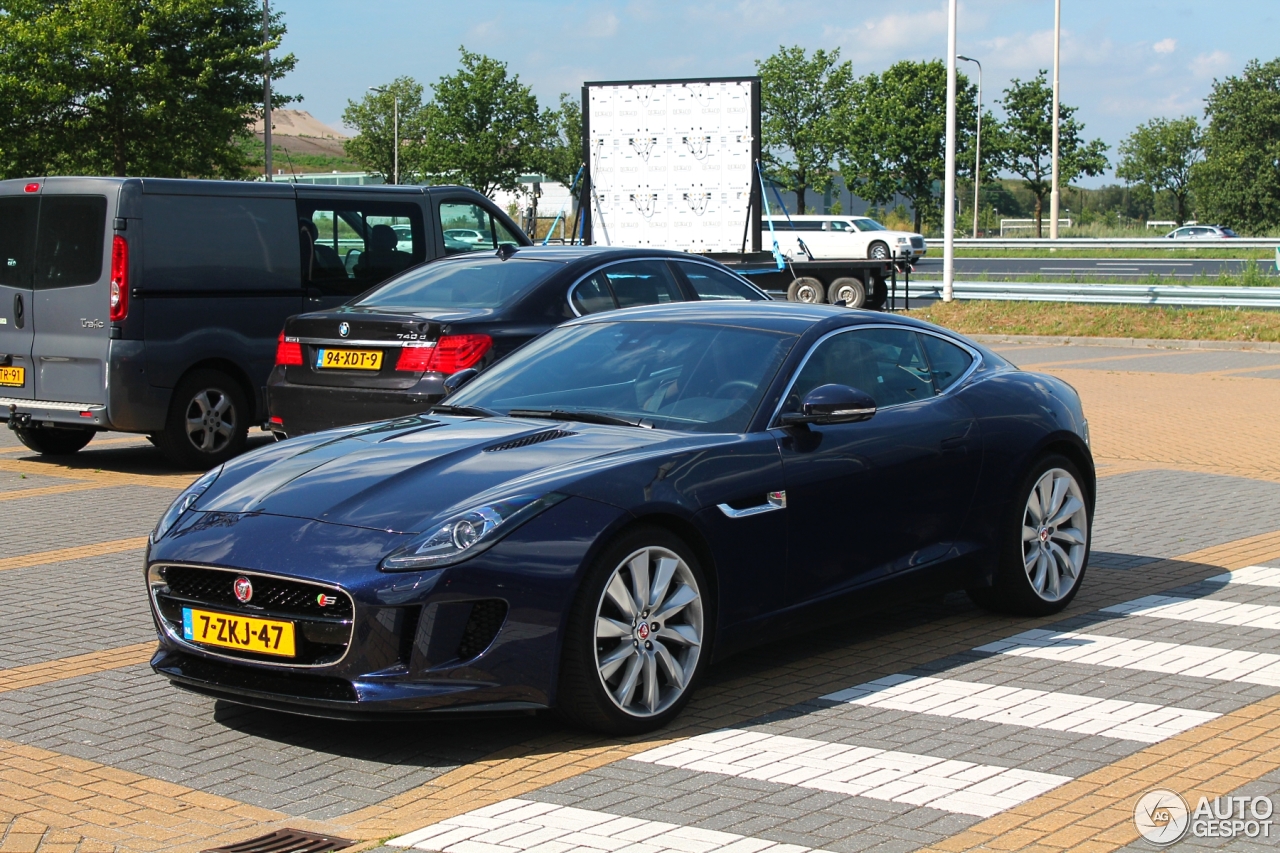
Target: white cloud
894 34
1165 46
601 26
1210 64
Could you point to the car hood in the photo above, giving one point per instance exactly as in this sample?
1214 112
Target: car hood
400 475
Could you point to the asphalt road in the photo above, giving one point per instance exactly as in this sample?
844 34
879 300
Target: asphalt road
1013 269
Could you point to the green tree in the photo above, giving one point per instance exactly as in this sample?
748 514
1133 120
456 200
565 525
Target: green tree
482 127
374 117
560 154
132 87
895 143
1238 184
804 107
1161 155
1024 144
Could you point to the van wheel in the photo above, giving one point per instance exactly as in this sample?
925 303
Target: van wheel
49 441
878 251
851 290
208 421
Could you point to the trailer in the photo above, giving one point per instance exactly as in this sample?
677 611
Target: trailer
675 164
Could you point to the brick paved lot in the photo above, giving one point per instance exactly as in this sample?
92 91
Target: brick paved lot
933 725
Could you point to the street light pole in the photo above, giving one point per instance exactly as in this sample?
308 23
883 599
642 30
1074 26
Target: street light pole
949 189
977 147
1053 192
395 133
266 88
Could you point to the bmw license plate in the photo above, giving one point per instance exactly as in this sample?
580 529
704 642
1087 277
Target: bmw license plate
349 359
242 633
14 377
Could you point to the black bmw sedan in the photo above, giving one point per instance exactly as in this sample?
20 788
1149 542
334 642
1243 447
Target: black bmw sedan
588 525
388 352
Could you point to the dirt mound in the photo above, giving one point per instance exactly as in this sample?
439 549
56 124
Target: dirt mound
297 123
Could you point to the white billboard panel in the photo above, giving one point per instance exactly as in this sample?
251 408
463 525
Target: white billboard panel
671 163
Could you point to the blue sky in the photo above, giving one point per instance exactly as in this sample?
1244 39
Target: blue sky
1123 61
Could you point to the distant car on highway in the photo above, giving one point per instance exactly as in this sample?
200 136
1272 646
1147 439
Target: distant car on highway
465 235
1201 232
844 237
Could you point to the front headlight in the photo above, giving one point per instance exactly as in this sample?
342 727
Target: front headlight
467 533
184 502
904 239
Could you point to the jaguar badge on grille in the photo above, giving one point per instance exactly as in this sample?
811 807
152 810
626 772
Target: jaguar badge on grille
243 588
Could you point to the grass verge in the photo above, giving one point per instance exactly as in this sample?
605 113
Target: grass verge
980 317
1252 274
1147 254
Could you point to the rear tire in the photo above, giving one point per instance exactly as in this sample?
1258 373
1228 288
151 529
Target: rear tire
879 251
850 289
50 441
208 421
807 290
619 674
1043 555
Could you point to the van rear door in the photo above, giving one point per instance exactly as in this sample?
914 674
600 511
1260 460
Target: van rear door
17 257
71 299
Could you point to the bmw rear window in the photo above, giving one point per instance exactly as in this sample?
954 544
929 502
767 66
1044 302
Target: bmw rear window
471 282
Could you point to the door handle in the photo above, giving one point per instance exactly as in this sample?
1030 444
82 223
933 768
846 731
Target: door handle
773 500
19 311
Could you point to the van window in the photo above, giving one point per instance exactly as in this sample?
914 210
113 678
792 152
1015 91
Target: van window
349 246
17 240
469 227
69 247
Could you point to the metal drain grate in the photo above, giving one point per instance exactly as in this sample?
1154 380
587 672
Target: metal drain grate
286 841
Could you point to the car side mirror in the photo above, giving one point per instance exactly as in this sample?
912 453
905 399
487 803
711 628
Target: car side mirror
454 381
832 404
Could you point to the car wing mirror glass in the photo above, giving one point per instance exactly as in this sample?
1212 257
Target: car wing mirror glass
832 404
454 381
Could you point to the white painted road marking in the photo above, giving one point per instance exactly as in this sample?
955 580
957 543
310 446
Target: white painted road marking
1250 576
1208 610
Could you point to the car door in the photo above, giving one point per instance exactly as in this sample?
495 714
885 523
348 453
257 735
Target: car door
17 258
871 499
625 284
71 299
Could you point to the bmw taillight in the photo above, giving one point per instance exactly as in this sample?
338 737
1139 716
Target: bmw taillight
288 353
119 279
450 354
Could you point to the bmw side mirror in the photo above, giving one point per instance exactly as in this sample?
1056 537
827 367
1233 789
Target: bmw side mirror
832 404
454 381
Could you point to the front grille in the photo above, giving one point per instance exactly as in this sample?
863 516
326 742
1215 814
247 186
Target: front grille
536 438
296 598
482 626
917 242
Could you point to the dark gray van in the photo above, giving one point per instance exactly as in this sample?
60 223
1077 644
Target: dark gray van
154 305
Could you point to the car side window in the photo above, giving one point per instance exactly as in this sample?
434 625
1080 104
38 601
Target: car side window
642 283
468 227
947 362
348 246
888 364
592 295
713 284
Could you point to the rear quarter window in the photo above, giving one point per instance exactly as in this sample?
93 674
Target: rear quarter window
70 248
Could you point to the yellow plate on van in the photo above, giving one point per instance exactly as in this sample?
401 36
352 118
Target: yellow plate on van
13 376
350 359
242 633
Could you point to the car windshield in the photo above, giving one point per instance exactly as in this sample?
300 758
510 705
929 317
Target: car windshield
689 376
869 225
484 282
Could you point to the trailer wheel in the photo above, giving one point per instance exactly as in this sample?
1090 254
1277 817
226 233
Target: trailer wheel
851 290
805 289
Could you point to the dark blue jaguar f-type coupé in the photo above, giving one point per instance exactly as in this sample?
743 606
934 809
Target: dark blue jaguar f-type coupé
593 520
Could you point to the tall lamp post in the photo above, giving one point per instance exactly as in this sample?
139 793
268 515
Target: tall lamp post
977 147
949 186
395 133
266 88
1053 192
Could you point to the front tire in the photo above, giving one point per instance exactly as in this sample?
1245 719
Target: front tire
208 421
50 441
1045 543
878 251
637 639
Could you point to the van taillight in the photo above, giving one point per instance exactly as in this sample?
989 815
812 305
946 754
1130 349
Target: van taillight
288 352
119 279
450 354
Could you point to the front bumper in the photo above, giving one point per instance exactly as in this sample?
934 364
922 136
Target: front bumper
483 635
297 410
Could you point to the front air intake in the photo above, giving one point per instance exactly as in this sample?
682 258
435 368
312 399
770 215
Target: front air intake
482 626
536 438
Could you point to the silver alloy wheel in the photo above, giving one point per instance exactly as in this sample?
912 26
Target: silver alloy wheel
648 631
879 251
1055 534
211 420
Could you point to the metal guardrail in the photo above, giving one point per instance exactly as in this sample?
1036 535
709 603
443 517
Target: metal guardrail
1106 243
1116 294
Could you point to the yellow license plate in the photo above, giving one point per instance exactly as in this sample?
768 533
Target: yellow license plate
15 376
242 633
350 359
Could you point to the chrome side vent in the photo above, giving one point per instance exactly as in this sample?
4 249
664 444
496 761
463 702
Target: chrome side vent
536 438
